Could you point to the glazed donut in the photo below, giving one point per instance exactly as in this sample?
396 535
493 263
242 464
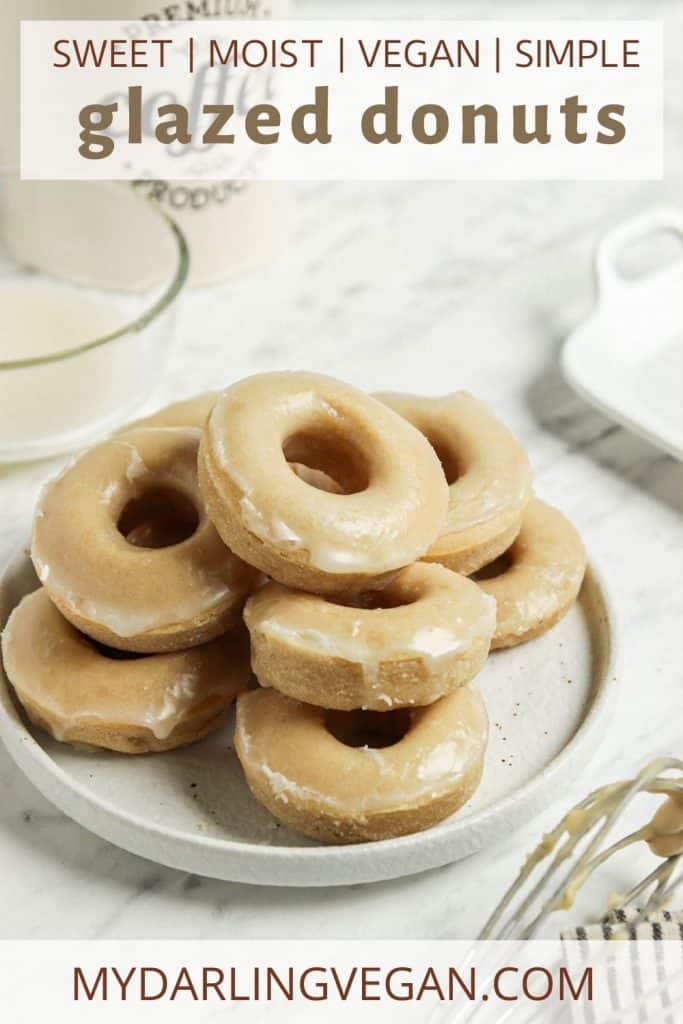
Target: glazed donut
394 493
125 550
189 412
537 580
426 633
80 693
351 776
487 470
194 412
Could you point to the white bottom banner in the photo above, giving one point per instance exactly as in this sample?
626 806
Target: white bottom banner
430 981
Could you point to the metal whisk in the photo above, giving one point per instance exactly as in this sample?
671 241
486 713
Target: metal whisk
591 820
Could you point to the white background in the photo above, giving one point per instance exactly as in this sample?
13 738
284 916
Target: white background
423 287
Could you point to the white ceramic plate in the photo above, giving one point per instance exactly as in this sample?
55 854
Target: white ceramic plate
548 703
627 357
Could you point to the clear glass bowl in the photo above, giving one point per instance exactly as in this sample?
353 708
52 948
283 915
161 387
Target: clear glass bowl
90 274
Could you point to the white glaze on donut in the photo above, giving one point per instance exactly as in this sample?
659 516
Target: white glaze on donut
103 582
394 499
286 745
488 472
493 470
80 695
540 578
431 634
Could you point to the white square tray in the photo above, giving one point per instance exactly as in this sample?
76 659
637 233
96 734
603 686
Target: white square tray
627 357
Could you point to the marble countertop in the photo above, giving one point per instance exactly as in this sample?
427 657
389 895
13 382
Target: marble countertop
427 288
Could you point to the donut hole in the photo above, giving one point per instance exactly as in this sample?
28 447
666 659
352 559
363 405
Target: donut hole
374 729
158 518
447 457
376 600
330 456
496 568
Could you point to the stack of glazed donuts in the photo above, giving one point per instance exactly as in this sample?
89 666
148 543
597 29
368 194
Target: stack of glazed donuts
375 547
133 642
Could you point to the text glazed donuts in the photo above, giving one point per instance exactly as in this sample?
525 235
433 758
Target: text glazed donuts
348 777
125 550
80 694
488 473
423 635
394 496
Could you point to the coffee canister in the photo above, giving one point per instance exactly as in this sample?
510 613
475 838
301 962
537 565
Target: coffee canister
230 226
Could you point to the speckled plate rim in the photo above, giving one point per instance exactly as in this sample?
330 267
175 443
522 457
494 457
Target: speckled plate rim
253 863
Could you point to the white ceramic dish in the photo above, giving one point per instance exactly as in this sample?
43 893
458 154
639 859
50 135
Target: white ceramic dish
627 357
548 703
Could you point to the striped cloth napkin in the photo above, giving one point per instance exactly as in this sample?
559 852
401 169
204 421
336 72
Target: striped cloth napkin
641 981
667 924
